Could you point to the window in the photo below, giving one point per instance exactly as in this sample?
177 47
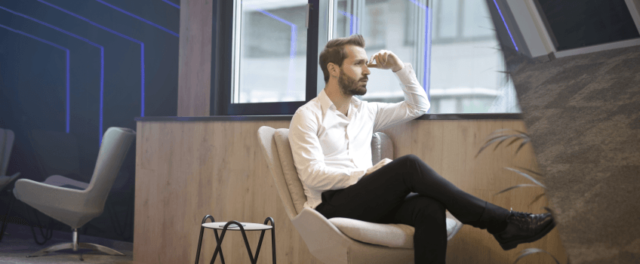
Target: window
467 66
451 45
263 57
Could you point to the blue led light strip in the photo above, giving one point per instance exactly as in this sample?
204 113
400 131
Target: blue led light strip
292 49
172 4
142 72
426 76
505 25
80 38
139 18
57 46
353 20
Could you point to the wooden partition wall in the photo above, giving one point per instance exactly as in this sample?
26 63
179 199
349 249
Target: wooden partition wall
185 170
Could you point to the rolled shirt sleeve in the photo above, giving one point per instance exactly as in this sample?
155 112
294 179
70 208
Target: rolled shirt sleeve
415 104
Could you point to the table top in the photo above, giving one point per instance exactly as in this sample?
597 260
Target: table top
232 227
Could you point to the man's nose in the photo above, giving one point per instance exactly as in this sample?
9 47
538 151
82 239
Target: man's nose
366 71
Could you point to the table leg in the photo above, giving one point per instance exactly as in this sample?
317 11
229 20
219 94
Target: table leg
204 220
273 237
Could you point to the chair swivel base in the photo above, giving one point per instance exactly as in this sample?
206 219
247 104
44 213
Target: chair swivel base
64 246
74 245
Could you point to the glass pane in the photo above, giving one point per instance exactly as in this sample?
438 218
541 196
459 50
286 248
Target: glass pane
448 18
467 71
270 51
476 21
451 45
393 25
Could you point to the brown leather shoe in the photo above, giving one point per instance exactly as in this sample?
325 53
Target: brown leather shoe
524 228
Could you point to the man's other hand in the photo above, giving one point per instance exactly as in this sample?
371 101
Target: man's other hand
379 165
385 60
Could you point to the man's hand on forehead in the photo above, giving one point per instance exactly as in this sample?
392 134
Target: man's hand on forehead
385 59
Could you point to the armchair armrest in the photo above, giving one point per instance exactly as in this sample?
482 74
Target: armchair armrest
46 198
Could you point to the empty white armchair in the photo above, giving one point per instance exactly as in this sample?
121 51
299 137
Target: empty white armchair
76 207
337 240
6 144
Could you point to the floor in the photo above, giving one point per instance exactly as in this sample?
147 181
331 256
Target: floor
18 243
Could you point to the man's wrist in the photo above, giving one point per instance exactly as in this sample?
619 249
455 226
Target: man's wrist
399 68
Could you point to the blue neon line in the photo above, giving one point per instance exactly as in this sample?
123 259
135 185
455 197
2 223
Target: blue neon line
142 71
427 55
75 36
172 4
142 76
51 26
426 76
352 22
292 49
505 25
421 5
275 17
101 94
139 18
68 92
292 54
57 46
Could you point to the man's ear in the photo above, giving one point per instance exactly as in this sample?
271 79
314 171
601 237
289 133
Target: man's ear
334 70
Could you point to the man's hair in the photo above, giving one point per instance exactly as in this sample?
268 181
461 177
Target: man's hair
334 52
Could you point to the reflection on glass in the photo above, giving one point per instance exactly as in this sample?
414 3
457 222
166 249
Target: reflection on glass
451 45
270 51
383 25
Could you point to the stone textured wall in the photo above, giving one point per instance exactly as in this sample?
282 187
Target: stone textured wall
583 114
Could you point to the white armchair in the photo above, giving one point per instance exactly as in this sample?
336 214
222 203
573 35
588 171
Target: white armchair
337 240
6 144
75 203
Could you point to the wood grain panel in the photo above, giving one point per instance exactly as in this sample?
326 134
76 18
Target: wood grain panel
194 77
186 170
449 147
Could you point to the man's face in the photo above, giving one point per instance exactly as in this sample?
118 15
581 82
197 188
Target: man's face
353 72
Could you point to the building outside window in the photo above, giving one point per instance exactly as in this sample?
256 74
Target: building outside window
451 45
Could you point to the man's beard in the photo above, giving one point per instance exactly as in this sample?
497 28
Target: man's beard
349 86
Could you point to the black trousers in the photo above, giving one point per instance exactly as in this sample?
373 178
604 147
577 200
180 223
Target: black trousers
408 191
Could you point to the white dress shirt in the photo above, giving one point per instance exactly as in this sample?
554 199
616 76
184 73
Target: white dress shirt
332 151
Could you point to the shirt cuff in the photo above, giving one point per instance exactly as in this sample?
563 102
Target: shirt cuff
356 175
406 75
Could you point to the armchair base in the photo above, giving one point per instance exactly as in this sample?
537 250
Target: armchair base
75 246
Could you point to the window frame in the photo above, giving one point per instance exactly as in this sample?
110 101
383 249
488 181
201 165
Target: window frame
222 65
222 42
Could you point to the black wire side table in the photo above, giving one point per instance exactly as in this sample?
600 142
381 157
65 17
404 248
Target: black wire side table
237 226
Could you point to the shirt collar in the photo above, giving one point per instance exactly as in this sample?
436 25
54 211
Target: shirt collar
326 103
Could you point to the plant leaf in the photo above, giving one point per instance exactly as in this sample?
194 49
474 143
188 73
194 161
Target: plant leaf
522 133
531 171
515 187
530 251
503 140
527 176
499 131
489 143
537 198
524 142
514 141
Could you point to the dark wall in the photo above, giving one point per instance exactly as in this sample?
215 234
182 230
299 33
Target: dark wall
102 41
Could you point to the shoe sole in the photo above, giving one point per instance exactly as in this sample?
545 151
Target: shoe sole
513 244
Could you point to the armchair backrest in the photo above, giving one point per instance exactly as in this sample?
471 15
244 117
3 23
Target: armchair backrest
115 145
277 151
266 136
6 144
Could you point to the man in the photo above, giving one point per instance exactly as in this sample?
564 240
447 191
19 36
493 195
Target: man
330 138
